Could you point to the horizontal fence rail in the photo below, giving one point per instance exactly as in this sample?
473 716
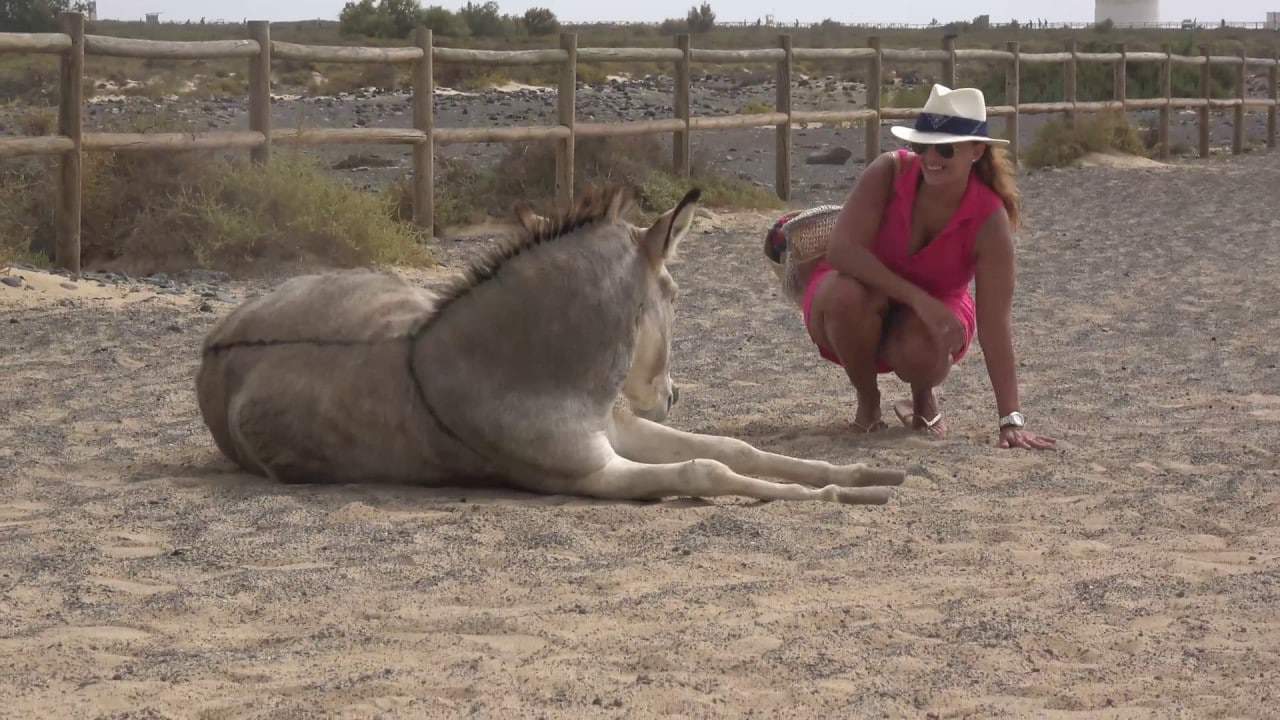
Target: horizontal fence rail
72 45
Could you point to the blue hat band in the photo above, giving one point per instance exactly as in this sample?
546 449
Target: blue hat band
950 125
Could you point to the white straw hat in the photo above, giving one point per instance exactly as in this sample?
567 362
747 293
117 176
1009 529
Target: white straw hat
950 116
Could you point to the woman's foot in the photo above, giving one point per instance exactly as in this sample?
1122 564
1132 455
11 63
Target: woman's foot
921 414
867 418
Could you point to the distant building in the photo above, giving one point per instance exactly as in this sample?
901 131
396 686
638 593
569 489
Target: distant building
153 18
1273 21
91 10
1126 13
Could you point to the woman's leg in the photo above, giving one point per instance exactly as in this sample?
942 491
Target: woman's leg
919 360
848 319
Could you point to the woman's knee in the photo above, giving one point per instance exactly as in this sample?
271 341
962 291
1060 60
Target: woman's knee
845 298
915 355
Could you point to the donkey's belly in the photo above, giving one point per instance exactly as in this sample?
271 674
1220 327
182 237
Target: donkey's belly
314 413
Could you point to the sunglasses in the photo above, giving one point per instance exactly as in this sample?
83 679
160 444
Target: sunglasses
945 151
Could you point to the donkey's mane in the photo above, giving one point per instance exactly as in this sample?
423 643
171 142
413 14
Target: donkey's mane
591 208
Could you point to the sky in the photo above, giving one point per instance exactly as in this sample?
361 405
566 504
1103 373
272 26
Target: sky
919 11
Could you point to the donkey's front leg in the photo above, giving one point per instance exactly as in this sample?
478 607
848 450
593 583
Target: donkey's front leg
644 441
623 479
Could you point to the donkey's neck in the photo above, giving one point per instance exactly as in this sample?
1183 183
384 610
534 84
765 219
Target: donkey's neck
557 319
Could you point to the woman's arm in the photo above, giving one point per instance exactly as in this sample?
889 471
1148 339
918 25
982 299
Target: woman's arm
995 276
855 232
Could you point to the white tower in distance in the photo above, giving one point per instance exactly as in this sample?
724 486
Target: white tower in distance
1126 13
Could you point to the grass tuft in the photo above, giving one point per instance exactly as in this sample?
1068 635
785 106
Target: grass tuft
1058 144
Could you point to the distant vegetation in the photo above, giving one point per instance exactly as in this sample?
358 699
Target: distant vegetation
1060 143
485 26
196 209
34 16
153 212
466 193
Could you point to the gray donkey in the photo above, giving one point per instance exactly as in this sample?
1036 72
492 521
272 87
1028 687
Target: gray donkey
510 377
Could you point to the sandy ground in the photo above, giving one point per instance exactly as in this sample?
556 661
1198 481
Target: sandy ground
1133 574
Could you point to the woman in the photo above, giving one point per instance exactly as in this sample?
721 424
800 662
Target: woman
892 294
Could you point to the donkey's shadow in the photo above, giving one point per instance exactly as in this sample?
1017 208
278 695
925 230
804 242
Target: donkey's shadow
222 478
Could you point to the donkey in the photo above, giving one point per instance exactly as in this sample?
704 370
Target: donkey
511 376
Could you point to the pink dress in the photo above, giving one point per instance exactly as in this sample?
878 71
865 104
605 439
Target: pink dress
943 268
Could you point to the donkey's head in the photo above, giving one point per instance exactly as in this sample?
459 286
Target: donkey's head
647 387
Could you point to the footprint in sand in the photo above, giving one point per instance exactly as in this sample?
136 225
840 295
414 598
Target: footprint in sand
1269 409
1083 548
132 546
79 635
511 644
131 587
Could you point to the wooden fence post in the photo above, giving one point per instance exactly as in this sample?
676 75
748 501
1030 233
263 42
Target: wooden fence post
782 175
681 155
875 73
1069 82
1204 111
568 91
66 251
424 153
949 65
1274 93
260 89
1237 131
1013 96
1119 90
1166 89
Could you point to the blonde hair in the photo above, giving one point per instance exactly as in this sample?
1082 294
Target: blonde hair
996 170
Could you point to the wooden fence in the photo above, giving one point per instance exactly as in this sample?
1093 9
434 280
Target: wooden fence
72 45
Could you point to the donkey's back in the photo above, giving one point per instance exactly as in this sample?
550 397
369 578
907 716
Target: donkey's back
313 382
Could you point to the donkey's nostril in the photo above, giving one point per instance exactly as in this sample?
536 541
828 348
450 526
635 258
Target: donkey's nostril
675 396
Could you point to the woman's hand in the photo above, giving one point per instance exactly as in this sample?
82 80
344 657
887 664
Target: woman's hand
1016 437
942 323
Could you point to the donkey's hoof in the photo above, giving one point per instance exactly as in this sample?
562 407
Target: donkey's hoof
860 475
862 496
881 476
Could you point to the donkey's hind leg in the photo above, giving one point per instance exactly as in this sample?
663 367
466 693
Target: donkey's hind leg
268 444
623 479
645 441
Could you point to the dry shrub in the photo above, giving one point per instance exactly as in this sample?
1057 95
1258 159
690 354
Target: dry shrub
18 180
29 80
152 212
353 78
461 193
40 121
1059 144
465 194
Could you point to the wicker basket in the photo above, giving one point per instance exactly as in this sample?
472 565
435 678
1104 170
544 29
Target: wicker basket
807 235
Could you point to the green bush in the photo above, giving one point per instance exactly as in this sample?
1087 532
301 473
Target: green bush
34 16
150 212
1059 144
701 19
445 22
484 20
540 21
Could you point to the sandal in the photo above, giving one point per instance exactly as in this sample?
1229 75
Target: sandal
907 417
874 426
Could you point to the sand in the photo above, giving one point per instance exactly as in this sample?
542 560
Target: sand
1134 573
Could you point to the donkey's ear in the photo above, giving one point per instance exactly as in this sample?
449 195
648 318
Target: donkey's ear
619 202
532 222
663 236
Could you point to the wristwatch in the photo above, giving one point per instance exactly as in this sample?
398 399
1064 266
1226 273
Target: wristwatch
1013 419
